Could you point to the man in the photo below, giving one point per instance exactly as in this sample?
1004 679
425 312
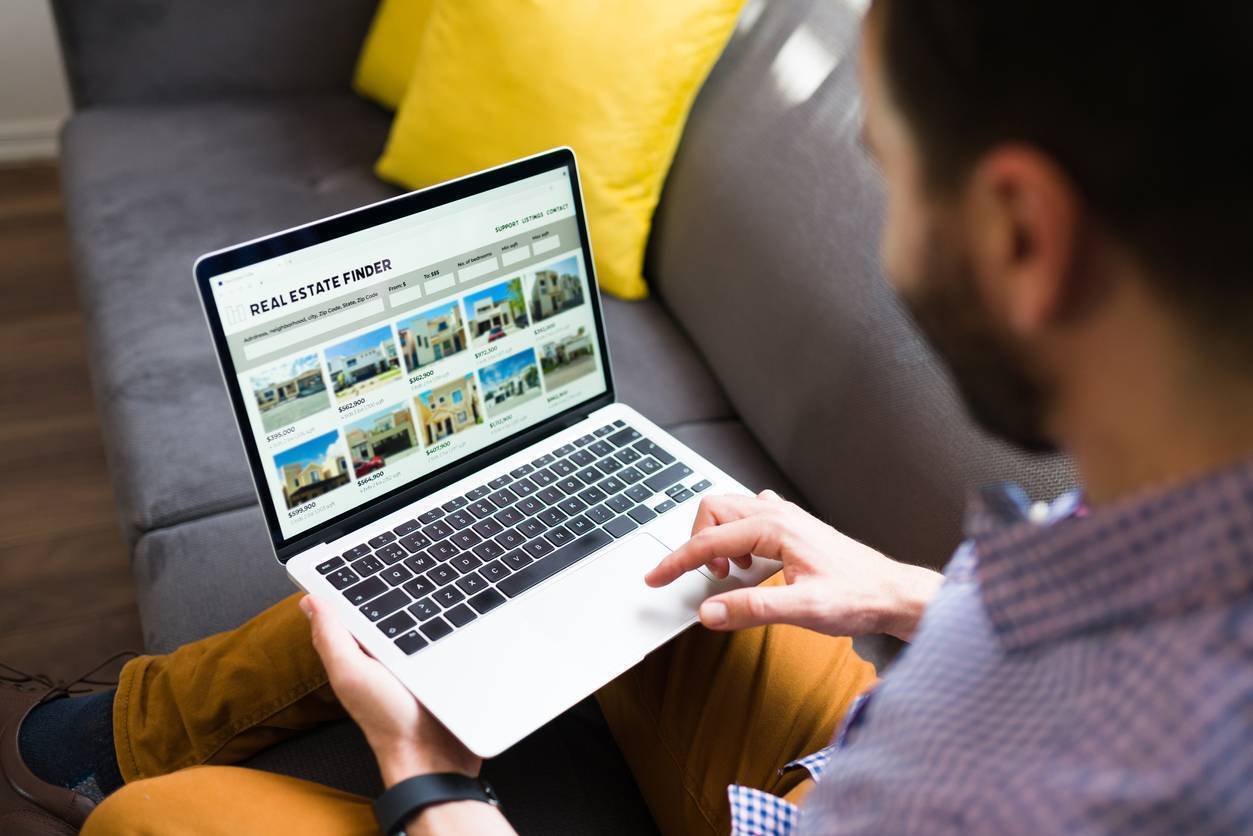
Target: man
1070 227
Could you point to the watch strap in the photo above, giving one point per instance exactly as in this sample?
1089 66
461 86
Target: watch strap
411 796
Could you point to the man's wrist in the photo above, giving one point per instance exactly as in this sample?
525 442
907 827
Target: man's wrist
396 763
912 589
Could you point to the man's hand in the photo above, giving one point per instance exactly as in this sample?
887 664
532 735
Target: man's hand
406 739
835 585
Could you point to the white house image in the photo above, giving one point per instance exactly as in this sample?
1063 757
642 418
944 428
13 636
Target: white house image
553 293
490 315
353 368
425 340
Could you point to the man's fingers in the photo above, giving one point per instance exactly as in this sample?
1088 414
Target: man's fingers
750 535
751 607
338 649
716 510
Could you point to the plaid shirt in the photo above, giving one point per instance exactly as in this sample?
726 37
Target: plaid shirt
1078 672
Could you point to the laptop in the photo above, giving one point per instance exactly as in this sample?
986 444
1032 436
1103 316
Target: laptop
424 391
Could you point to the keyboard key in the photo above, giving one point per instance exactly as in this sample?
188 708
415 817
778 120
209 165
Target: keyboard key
441 575
579 525
333 563
415 543
424 609
365 591
487 600
510 539
385 605
562 468
569 485
619 423
516 559
599 514
494 571
621 527
639 492
509 517
435 629
549 496
499 482
608 466
530 505
431 516
488 550
356 551
410 643
454 504
663 507
701 486
459 520
666 478
367 565
642 514
627 455
487 528
478 493
567 556
611 485
461 615
406 527
620 503
483 509
519 472
523 487
589 475
583 441
442 550
531 528
396 575
551 516
564 450
647 448
648 465
592 496
572 505
559 536
683 495
581 458
448 596
465 539
538 547
471 583
603 431
418 587
542 461
629 475
545 476
465 562
503 498
673 489
624 437
437 530
394 625
392 552
601 448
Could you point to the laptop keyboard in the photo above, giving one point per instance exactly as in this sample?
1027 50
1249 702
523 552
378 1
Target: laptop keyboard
431 575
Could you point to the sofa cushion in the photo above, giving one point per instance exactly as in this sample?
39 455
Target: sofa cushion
150 189
773 270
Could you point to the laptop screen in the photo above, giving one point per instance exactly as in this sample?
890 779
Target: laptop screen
369 361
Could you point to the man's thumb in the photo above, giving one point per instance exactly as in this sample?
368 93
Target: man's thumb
751 607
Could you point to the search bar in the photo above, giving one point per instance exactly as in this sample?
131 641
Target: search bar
302 333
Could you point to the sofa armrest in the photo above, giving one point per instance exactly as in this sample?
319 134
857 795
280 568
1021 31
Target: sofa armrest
145 51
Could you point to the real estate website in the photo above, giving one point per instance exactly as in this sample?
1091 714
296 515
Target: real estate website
369 361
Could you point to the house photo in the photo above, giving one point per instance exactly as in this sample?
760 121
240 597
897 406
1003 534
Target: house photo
448 409
567 359
431 335
289 390
556 289
510 382
495 313
311 469
380 439
363 363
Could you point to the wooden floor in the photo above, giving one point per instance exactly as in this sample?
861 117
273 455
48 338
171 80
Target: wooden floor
66 594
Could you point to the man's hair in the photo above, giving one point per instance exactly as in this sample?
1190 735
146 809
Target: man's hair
1143 105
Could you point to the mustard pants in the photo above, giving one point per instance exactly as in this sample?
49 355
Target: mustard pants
704 711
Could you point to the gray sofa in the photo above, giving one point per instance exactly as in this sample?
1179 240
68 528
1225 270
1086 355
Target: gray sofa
771 343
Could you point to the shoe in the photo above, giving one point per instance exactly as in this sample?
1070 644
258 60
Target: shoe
28 805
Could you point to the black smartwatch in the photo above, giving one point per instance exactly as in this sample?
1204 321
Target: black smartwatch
413 795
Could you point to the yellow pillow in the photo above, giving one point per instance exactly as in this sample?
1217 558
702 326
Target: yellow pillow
614 79
386 60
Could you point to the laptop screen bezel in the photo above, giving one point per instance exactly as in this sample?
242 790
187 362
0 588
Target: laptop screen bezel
214 264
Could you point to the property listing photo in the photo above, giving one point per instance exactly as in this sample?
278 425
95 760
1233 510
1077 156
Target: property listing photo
650 418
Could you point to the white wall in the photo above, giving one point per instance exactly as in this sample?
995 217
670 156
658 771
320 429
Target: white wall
33 97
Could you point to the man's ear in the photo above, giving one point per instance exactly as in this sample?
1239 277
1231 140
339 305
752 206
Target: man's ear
1023 221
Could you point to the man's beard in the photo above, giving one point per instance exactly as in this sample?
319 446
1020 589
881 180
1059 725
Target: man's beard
990 376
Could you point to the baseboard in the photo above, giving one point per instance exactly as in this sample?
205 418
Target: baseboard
29 139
